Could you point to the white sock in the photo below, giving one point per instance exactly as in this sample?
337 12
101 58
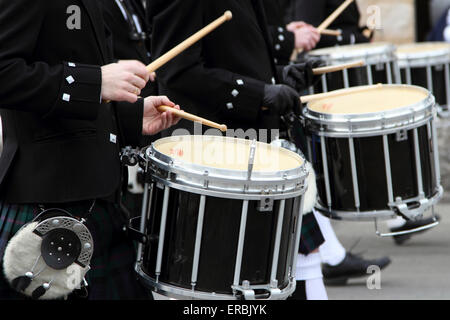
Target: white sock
308 267
310 271
396 222
331 251
315 289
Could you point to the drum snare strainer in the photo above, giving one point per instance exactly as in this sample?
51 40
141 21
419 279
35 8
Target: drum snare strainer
222 218
375 153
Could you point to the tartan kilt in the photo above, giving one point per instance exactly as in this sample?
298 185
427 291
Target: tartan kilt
311 237
112 275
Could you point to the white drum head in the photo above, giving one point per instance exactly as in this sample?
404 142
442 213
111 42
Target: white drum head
370 110
227 153
220 165
428 48
423 54
381 99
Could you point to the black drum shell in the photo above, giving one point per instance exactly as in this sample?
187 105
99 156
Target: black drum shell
358 77
419 78
371 169
219 241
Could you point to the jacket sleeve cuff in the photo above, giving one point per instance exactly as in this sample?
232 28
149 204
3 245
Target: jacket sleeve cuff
245 99
130 120
283 44
80 92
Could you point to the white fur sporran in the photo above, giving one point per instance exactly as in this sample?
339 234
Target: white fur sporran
48 259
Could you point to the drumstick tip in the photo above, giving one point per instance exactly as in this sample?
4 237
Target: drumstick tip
228 15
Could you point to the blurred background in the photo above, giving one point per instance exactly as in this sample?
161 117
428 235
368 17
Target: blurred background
417 18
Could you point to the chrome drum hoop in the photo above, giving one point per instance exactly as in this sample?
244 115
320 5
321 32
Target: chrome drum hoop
237 194
222 182
380 214
369 124
371 55
424 59
179 293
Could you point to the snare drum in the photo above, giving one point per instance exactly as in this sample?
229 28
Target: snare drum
217 227
427 65
380 66
375 153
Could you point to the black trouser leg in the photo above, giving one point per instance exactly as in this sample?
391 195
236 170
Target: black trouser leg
300 291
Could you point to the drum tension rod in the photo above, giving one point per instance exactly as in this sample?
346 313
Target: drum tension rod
251 159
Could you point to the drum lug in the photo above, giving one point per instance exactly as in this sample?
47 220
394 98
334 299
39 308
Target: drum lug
265 205
206 182
401 135
443 111
245 289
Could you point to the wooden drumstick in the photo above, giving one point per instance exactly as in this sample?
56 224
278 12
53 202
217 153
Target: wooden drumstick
328 32
158 63
191 117
328 21
336 93
323 70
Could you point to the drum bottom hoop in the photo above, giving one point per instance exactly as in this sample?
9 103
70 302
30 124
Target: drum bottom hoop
371 215
180 293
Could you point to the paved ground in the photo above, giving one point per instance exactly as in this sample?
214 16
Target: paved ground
420 268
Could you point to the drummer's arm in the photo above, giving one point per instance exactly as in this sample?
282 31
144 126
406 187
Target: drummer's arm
232 95
38 87
66 90
143 118
283 42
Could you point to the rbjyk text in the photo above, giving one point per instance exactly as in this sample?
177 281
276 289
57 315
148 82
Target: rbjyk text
231 309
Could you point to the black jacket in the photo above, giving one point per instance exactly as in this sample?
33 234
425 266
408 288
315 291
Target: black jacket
61 144
315 12
283 41
130 39
221 77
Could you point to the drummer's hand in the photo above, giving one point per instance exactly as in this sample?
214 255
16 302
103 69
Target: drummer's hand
152 77
155 121
123 81
281 98
306 37
296 25
300 76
